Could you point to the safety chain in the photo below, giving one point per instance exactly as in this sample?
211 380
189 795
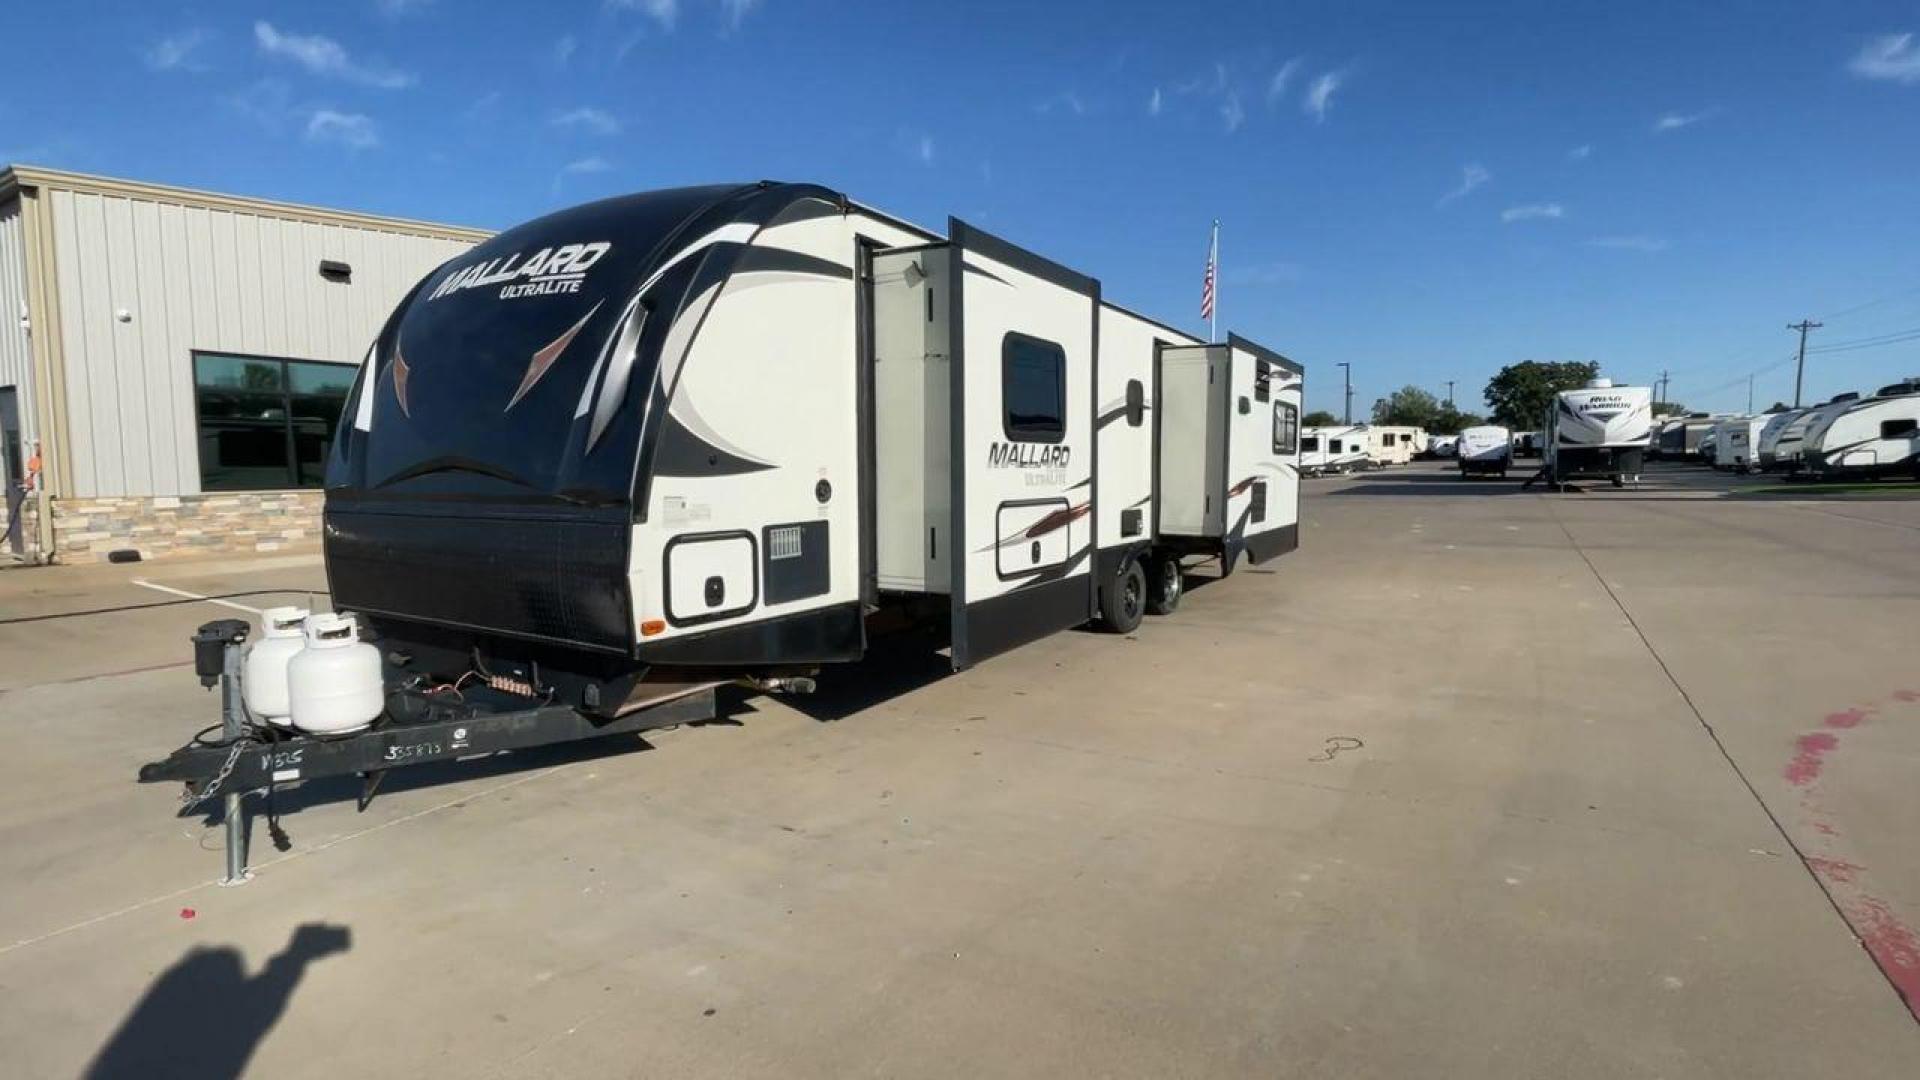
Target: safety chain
188 799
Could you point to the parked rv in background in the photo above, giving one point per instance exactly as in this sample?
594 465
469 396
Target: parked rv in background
1527 444
1738 441
1487 449
1442 446
1599 430
1870 437
1326 451
1789 447
1392 445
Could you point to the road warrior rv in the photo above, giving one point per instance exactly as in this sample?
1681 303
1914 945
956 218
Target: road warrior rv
1325 451
1791 442
1870 437
1485 449
1599 430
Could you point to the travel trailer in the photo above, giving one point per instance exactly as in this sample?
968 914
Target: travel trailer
1325 451
725 428
1526 444
1392 444
1738 441
1442 446
1788 446
1599 430
1870 437
1766 448
1485 449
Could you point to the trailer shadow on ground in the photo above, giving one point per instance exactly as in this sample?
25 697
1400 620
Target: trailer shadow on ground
1436 483
892 668
205 1016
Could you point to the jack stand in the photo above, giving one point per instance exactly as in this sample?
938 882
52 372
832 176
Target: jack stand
233 727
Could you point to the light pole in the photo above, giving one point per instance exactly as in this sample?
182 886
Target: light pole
1346 374
1449 393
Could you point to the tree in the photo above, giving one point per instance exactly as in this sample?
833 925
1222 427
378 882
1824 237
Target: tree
1451 421
1669 408
1779 407
1521 393
1319 418
1408 406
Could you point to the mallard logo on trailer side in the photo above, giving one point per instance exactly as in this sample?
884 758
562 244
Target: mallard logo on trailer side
547 272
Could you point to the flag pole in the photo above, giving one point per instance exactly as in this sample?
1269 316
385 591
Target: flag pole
1213 320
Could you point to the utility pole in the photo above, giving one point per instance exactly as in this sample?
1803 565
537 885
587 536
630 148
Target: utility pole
1449 393
1749 395
1800 365
1662 380
1346 371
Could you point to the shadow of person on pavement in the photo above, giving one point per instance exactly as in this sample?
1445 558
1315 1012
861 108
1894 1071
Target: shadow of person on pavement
204 1016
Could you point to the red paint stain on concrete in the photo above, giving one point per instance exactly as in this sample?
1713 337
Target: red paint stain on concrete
1846 718
1825 829
1835 871
1810 752
1906 695
1893 946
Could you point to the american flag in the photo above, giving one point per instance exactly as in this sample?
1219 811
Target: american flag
1206 286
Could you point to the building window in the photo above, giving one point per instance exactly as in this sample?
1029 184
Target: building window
266 423
1898 429
1286 428
1033 385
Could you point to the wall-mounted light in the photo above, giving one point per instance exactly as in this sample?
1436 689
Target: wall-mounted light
335 270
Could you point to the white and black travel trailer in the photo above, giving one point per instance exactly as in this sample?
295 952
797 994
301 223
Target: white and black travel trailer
1527 444
1870 437
1766 447
1442 446
1486 449
1599 430
1326 451
1785 455
725 429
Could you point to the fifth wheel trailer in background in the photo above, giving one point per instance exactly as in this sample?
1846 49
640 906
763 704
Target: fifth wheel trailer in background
1599 430
1326 451
1871 437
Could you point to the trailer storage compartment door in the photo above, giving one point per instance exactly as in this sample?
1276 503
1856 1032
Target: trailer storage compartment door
1263 453
1024 337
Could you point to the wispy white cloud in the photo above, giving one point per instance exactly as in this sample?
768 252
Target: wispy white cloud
1320 93
734 12
1472 175
394 9
1533 212
324 56
1067 101
580 167
268 103
1231 114
1277 86
1213 81
1581 152
590 120
1155 104
925 149
1628 243
564 49
1889 57
355 131
664 12
1675 121
175 52
483 104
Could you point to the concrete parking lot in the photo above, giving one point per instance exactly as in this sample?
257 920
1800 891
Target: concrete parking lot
1479 783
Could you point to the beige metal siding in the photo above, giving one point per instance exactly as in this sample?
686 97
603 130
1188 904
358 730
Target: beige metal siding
16 357
200 278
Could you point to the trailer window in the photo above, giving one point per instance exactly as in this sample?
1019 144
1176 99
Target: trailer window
1334 447
1262 381
1286 428
1310 444
1898 429
265 423
1033 385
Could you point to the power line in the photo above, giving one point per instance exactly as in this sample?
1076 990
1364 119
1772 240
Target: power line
1888 338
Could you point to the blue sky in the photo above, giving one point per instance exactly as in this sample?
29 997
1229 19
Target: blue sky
1428 190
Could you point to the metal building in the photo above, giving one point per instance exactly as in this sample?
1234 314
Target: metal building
173 361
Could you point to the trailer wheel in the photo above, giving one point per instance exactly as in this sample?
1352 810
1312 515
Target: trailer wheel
1619 480
1123 599
1167 585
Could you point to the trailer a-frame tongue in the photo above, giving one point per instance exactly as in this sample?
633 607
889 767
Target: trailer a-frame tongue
983 377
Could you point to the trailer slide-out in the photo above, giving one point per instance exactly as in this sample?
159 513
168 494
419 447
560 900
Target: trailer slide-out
729 433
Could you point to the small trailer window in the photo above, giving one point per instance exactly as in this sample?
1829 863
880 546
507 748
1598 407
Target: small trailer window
1033 386
1334 447
1898 429
1286 428
1310 444
1262 381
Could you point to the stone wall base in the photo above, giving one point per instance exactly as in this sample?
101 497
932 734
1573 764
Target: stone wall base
88 530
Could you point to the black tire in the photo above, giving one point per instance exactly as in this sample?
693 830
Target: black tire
1619 481
1123 599
1165 586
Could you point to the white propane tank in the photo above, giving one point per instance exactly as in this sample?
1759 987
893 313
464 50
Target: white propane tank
334 684
283 633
